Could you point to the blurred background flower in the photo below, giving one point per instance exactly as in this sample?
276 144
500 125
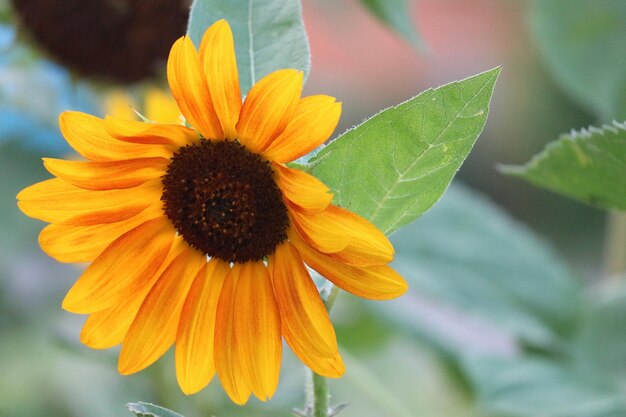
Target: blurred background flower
495 325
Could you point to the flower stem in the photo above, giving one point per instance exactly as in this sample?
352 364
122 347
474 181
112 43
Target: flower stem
320 395
615 245
330 296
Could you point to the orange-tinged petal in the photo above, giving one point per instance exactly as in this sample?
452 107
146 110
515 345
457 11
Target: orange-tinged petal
320 230
154 329
228 356
189 88
257 330
268 108
367 244
107 328
107 175
57 201
122 269
161 107
195 364
133 131
68 243
86 134
313 122
303 191
217 54
301 307
378 282
331 367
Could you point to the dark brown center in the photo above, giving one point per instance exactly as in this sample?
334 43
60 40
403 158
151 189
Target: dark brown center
224 201
119 40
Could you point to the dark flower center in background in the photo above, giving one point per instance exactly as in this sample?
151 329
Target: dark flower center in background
120 40
224 201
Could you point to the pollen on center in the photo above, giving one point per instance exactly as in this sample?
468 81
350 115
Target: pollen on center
223 201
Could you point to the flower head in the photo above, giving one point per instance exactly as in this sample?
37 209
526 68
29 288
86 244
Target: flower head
201 236
125 41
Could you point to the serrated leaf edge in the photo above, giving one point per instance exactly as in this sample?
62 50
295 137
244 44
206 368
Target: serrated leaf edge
133 408
315 159
615 128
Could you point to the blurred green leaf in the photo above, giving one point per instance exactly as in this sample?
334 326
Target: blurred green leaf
396 165
600 344
372 387
529 387
479 280
583 43
19 168
397 15
359 328
588 165
269 35
5 12
401 378
150 410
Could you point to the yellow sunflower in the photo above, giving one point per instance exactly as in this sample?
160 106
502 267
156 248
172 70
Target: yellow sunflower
201 236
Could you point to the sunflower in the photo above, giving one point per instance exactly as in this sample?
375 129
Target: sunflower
201 236
133 35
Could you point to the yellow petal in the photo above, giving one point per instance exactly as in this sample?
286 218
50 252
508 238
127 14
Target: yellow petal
86 134
378 282
304 191
107 175
189 88
257 330
217 54
313 122
268 108
122 269
228 356
107 328
132 131
195 365
331 367
68 243
320 230
56 201
154 329
366 246
300 304
161 107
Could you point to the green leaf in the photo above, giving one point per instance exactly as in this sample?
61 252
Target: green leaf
19 168
583 44
397 15
269 35
396 165
530 387
588 165
600 344
150 410
479 280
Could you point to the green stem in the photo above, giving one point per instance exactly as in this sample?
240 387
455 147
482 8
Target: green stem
320 395
330 296
615 245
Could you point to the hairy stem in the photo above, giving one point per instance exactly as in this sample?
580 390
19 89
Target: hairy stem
329 296
320 395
